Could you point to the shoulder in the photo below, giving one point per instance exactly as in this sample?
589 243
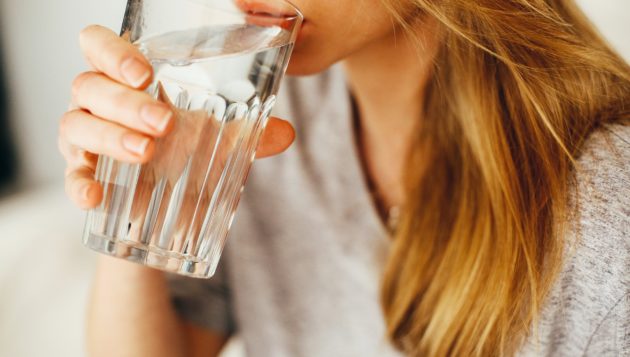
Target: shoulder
598 269
588 309
601 196
599 233
604 159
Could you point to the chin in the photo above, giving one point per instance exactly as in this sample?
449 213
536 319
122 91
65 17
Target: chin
305 63
304 68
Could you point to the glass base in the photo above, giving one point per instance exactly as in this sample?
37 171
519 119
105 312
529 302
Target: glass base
151 256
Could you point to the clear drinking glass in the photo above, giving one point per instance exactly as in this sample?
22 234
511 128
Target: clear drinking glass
218 64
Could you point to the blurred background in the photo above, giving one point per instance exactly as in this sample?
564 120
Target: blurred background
44 269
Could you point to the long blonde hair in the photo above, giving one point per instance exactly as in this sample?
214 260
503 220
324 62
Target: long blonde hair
517 87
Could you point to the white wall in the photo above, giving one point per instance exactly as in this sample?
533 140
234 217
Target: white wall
40 38
613 19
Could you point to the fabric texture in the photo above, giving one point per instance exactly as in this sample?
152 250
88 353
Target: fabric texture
300 272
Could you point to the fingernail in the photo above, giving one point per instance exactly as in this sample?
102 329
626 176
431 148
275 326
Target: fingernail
135 144
135 72
86 192
156 116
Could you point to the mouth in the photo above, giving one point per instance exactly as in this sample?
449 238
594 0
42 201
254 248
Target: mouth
272 9
272 13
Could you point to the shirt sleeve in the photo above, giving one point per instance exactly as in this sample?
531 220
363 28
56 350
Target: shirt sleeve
204 302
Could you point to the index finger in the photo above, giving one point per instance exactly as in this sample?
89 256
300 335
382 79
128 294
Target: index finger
115 57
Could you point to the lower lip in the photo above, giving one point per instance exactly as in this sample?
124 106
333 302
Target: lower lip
264 14
268 21
262 8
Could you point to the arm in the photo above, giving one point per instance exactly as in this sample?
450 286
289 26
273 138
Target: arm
131 314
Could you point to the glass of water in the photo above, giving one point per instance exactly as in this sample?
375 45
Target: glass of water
218 63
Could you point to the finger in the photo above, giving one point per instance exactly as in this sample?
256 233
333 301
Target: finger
82 189
83 130
74 156
134 109
277 137
114 56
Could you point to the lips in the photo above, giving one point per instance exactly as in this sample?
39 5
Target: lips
271 13
266 8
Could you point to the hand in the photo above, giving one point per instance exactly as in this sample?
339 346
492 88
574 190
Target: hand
111 115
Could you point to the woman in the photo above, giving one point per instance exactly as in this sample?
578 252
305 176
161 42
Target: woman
458 187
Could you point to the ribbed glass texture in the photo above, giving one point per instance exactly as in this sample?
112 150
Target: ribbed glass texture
220 74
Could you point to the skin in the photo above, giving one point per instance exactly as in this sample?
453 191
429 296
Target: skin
111 115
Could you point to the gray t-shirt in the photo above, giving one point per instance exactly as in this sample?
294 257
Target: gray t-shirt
300 272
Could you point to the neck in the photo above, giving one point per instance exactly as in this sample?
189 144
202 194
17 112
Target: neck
387 80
